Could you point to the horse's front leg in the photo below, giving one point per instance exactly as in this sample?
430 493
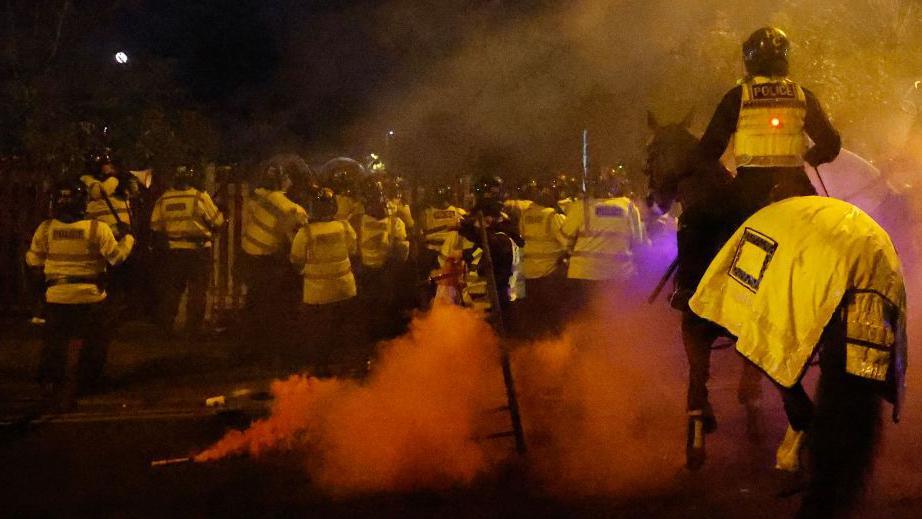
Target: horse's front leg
697 336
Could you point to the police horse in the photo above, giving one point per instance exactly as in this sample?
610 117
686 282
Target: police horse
860 283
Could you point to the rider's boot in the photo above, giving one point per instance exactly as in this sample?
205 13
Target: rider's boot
694 440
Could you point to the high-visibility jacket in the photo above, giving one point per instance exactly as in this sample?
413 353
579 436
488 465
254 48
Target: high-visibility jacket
270 220
566 204
545 243
74 258
99 210
515 207
770 128
436 224
322 250
398 208
348 208
382 238
603 232
187 217
789 269
96 188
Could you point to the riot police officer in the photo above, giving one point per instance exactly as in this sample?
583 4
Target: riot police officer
187 219
322 251
74 254
769 117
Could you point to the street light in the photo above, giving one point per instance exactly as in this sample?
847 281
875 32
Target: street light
121 58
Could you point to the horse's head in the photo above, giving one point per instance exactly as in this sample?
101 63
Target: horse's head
669 156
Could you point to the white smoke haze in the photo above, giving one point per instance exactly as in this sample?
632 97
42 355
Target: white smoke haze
497 79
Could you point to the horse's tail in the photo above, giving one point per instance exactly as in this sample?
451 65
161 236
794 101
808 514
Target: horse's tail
842 442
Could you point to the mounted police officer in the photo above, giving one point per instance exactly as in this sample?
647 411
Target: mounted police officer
74 253
769 117
186 218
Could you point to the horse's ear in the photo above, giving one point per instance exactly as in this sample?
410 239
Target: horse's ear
651 121
686 123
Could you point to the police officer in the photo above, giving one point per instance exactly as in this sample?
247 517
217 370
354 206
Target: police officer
383 249
345 177
74 253
270 221
187 219
322 252
769 117
603 229
543 259
105 181
438 219
111 195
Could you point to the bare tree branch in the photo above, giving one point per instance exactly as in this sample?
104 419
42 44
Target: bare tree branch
56 42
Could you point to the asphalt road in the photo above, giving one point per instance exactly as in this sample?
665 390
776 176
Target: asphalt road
95 460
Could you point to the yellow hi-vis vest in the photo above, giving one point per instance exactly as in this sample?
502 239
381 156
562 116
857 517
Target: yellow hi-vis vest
323 250
437 224
99 210
187 217
382 238
348 208
545 243
74 258
96 187
788 270
398 208
270 220
604 231
770 129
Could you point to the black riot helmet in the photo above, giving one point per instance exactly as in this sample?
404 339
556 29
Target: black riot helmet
280 171
186 176
375 199
566 185
343 175
546 194
96 160
488 187
441 196
765 53
528 190
68 201
323 206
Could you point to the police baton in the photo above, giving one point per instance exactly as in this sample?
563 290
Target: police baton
662 282
820 178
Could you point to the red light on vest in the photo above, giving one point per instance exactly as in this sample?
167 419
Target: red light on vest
775 122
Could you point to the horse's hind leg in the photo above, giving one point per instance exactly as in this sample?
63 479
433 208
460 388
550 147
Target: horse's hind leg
843 435
749 394
697 337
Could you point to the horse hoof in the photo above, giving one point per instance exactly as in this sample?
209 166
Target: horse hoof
694 444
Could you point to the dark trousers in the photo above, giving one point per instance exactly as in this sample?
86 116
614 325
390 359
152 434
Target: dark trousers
757 187
64 324
698 335
185 269
272 299
329 336
378 302
541 312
